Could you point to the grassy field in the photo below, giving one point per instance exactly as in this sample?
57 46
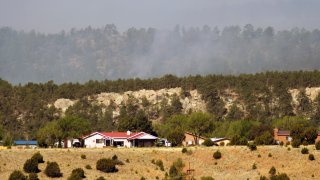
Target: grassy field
236 162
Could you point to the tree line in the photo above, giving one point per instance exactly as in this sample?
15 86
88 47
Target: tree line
263 99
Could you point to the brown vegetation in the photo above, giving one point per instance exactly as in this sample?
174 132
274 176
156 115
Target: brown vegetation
235 162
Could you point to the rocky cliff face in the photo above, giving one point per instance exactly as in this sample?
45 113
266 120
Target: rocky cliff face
192 101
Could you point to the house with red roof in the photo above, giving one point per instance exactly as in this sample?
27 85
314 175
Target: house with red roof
119 139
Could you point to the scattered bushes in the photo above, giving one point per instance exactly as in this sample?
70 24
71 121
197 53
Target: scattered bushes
207 178
317 145
217 155
31 166
281 176
33 176
305 150
79 171
311 157
159 163
52 170
272 171
263 178
88 166
77 174
208 142
254 166
295 143
38 157
101 178
106 165
17 175
83 156
305 143
176 169
116 160
184 150
252 146
114 157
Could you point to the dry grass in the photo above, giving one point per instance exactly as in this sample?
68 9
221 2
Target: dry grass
236 162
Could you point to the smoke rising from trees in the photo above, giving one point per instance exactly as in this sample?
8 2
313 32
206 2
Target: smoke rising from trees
107 53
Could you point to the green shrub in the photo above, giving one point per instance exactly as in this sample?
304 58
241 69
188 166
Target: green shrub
311 157
281 176
17 175
254 166
174 173
114 157
208 142
243 141
317 145
272 171
79 171
127 161
33 176
77 174
252 146
206 178
263 178
159 163
31 166
38 157
184 150
281 143
83 156
305 143
106 165
295 143
101 178
217 155
259 156
269 155
53 170
88 166
74 177
305 150
265 139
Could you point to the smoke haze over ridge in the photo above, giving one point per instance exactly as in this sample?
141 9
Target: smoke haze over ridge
55 16
78 41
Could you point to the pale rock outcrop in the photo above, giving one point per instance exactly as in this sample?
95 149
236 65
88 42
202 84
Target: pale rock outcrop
64 104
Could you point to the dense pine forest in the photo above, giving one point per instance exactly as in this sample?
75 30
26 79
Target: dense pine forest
25 112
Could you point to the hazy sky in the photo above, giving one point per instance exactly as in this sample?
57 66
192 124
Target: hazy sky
56 15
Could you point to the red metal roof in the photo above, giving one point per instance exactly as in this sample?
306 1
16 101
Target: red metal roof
119 134
283 133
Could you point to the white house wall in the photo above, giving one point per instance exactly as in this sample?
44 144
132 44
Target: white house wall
90 142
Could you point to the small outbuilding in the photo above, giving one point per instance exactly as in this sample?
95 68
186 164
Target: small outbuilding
21 144
191 139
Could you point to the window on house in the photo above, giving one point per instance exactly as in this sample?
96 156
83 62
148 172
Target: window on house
98 141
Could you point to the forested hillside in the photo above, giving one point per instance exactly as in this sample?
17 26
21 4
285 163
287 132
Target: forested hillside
80 55
261 100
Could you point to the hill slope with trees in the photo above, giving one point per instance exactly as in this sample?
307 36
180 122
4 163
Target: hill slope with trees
246 105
